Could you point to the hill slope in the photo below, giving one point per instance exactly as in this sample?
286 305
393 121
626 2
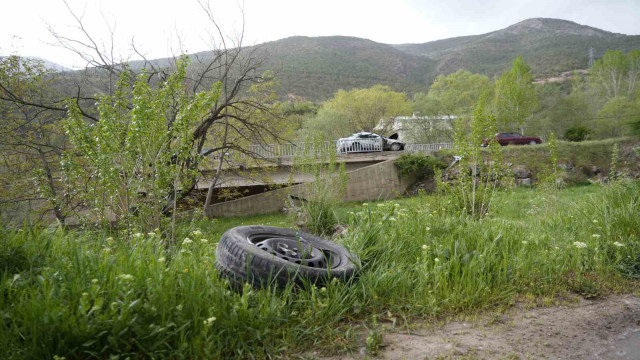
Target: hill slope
550 46
317 67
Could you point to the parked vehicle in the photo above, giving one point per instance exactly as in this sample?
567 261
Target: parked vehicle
512 138
367 141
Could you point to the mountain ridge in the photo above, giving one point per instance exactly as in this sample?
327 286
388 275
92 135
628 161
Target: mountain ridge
316 67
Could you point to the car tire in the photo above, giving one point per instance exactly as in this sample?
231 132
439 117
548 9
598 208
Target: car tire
396 147
263 255
533 142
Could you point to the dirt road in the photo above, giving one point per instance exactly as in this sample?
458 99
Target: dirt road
589 329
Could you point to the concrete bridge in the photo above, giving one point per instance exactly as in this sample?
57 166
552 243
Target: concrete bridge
371 176
277 169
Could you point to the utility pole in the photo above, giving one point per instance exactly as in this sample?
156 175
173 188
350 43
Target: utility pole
591 57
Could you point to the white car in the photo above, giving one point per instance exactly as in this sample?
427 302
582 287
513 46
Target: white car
367 141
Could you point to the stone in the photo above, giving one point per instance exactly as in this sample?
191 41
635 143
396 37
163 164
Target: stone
521 173
524 182
566 166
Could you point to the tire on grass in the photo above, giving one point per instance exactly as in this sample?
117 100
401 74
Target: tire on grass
263 255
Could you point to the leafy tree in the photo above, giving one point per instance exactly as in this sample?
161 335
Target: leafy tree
327 121
480 174
453 96
608 73
367 109
140 151
30 137
242 114
457 94
616 74
515 97
614 116
562 106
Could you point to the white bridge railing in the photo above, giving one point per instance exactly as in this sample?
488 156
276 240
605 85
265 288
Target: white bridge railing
427 147
274 151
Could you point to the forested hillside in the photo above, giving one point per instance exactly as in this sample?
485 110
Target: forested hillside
549 45
316 67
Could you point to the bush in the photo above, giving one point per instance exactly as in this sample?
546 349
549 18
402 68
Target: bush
419 165
577 133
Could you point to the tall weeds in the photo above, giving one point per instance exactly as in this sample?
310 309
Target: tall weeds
91 294
324 194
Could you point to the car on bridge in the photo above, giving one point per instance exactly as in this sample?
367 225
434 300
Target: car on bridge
512 138
366 142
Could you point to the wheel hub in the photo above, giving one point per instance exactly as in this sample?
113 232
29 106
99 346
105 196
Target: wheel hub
294 250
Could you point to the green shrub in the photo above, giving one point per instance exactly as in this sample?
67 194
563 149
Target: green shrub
419 165
577 133
322 196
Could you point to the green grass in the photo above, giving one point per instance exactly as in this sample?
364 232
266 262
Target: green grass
90 294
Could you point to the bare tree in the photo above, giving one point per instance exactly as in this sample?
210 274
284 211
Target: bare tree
241 115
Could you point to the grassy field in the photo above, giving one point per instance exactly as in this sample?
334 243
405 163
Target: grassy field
86 294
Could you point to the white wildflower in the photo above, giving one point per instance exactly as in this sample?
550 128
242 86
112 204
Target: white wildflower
162 260
618 244
436 260
125 276
204 241
425 247
525 242
595 236
427 228
137 235
196 233
186 241
579 244
209 321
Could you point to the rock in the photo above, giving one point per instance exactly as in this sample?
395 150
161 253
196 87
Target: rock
524 182
595 170
521 173
453 174
339 230
566 166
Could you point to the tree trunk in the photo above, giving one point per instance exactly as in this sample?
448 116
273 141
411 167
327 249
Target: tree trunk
57 210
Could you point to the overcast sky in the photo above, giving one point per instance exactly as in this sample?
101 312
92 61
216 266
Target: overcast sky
163 27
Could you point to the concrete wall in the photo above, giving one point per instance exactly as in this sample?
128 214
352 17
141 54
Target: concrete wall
374 182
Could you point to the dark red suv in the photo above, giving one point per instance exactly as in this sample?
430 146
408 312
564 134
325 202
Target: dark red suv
514 139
